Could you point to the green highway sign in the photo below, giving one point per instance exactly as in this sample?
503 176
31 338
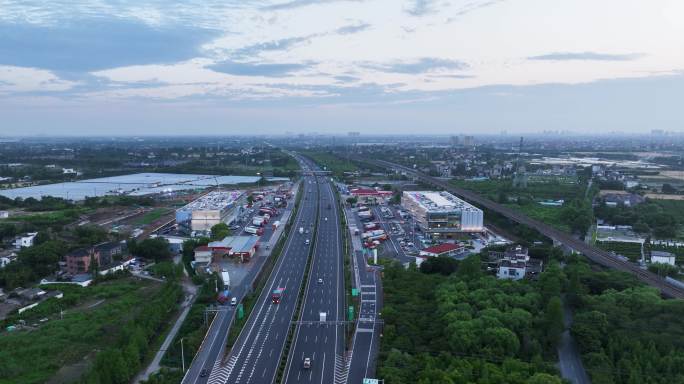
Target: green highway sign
355 292
370 381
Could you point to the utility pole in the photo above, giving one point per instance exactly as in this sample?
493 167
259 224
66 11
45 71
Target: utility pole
182 356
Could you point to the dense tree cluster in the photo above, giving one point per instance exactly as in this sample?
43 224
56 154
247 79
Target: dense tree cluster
469 327
627 333
46 203
661 218
32 264
156 249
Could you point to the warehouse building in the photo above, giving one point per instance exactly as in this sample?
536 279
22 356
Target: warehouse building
211 209
441 213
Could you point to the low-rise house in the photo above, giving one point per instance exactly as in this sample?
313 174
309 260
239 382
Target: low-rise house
203 254
509 269
4 214
663 257
80 260
30 297
26 240
7 257
626 199
513 264
109 252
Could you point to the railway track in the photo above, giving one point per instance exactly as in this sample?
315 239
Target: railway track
592 253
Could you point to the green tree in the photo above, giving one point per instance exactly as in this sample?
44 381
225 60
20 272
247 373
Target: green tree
544 378
470 267
156 249
663 269
442 264
553 322
550 282
219 231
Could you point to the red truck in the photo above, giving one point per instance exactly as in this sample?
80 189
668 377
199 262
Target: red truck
223 297
277 294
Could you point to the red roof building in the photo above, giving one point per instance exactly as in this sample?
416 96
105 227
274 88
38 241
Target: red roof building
446 249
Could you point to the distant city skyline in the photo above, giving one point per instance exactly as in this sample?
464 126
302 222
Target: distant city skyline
333 66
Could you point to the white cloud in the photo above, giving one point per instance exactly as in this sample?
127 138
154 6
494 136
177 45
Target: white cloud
379 42
20 79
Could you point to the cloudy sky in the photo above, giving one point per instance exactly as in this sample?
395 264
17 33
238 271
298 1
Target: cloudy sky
332 66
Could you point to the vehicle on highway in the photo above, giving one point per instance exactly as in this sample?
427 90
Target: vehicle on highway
301 230
223 296
326 219
277 295
233 301
204 373
320 281
307 363
254 230
307 242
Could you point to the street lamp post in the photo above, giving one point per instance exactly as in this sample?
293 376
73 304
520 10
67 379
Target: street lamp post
182 356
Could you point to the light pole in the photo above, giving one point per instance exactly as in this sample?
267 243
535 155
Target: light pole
182 356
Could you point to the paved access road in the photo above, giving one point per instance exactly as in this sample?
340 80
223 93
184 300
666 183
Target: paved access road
255 356
323 343
368 329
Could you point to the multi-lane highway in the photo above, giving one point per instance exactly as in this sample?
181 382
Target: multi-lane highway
595 254
213 346
255 355
260 347
322 343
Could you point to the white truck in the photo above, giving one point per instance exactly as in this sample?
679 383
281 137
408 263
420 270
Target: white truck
226 278
322 316
255 230
368 234
301 230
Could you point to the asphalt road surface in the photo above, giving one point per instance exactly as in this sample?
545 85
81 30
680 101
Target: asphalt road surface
212 349
322 343
368 330
255 356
